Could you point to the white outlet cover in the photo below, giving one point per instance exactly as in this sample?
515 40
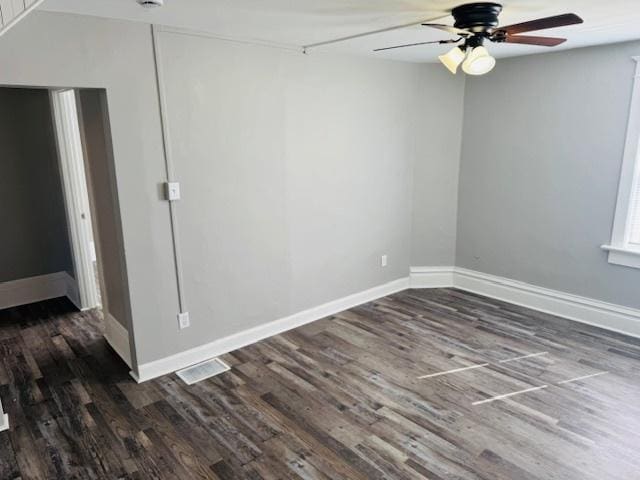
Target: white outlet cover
384 261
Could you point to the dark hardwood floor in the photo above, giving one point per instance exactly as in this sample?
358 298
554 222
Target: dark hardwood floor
339 398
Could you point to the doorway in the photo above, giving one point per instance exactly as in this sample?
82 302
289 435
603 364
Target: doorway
76 194
59 208
59 202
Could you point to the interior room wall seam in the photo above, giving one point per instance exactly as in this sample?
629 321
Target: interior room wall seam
456 261
539 176
457 207
436 164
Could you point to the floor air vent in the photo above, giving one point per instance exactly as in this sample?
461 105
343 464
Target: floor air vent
202 371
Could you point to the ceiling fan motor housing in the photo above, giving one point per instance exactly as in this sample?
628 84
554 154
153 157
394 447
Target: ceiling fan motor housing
151 3
477 17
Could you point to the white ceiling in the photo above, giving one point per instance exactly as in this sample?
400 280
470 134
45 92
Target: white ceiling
304 22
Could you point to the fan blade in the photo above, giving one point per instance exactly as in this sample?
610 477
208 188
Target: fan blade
542 41
416 44
542 24
447 28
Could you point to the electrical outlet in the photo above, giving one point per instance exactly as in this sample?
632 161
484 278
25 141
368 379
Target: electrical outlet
183 320
384 261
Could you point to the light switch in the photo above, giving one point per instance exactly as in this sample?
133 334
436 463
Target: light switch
183 320
172 191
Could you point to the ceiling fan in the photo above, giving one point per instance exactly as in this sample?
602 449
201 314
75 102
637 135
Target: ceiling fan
476 23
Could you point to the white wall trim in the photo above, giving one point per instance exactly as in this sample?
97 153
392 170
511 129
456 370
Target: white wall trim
37 289
4 420
151 370
623 256
573 307
431 277
118 337
76 196
620 249
28 9
605 315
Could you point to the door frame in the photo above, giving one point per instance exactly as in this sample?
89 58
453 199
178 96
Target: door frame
76 194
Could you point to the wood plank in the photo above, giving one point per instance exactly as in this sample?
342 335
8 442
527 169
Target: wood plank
340 398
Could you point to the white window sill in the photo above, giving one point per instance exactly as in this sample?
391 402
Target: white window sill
623 256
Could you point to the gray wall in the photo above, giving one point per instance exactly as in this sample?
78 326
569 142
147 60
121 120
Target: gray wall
296 174
297 171
101 180
72 51
34 239
440 105
542 150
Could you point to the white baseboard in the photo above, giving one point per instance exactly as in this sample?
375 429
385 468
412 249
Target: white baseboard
118 337
151 370
431 277
573 307
581 309
37 289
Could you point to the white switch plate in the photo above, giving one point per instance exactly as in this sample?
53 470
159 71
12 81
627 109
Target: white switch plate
384 261
172 191
183 320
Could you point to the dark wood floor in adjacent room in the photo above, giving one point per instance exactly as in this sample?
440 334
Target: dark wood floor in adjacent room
339 398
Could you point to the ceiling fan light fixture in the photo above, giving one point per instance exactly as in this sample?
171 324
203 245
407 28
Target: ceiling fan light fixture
479 22
478 62
452 59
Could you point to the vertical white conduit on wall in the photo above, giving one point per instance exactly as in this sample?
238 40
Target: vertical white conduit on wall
168 165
